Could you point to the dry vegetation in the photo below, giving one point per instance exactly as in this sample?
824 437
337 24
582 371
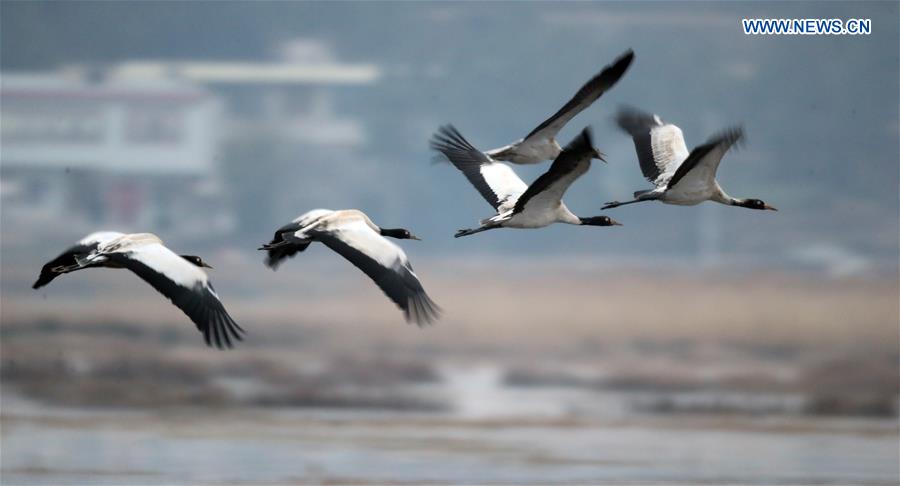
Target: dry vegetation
835 341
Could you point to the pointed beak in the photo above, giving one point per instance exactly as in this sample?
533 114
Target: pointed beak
205 265
414 237
600 155
770 208
615 223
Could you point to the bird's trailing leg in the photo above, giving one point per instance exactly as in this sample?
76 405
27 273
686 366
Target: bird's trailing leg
91 260
615 204
467 232
66 268
272 246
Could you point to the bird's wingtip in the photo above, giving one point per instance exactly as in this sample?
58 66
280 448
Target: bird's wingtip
622 63
587 131
421 310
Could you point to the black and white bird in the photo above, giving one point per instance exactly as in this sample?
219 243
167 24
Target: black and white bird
680 177
518 205
541 144
355 237
178 277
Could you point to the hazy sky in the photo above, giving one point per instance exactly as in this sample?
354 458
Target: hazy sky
820 112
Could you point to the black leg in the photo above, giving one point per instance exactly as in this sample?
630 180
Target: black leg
467 232
616 204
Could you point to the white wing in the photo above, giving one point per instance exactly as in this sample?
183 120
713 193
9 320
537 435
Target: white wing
669 150
504 183
100 237
660 146
497 183
185 284
310 216
384 262
166 262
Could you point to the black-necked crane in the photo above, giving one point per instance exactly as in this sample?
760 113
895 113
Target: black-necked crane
354 236
680 177
178 277
518 205
541 144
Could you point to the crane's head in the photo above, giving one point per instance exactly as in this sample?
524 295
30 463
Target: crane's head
600 221
399 233
196 261
755 204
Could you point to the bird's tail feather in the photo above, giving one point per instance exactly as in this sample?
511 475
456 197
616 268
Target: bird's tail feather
277 254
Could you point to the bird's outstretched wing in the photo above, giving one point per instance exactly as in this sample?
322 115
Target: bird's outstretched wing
589 93
186 285
660 146
703 161
572 163
385 263
497 183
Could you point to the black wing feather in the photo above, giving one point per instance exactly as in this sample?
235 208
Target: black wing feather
723 140
66 258
465 157
276 256
638 124
398 283
579 148
592 90
200 304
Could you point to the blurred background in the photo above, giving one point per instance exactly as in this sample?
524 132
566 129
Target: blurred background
690 345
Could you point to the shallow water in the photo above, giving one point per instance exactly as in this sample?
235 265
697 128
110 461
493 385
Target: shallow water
43 445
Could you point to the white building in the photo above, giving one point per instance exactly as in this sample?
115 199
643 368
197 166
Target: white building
291 97
89 153
141 144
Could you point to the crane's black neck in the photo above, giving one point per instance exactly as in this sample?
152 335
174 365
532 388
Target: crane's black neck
398 233
194 259
751 203
597 221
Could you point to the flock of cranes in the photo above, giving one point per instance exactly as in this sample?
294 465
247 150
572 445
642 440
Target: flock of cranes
679 177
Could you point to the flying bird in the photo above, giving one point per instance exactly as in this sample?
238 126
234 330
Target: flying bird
679 177
178 277
355 237
541 144
518 205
